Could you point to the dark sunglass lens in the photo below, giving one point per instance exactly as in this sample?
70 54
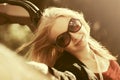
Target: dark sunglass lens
74 25
63 40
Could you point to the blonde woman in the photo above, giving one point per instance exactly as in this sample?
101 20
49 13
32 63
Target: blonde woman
63 42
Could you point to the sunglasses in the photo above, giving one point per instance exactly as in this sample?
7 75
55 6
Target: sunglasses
63 40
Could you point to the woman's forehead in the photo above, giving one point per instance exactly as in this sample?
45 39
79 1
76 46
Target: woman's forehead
60 26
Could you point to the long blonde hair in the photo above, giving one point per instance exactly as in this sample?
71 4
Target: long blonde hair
41 48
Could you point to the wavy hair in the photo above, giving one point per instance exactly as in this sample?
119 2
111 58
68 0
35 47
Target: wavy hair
41 48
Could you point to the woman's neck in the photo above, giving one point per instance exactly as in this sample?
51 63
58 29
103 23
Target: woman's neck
84 54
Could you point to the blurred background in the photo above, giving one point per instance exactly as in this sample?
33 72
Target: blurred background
103 17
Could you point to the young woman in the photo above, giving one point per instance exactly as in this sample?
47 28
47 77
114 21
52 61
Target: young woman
63 42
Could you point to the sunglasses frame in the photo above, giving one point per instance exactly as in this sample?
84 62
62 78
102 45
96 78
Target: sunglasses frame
66 34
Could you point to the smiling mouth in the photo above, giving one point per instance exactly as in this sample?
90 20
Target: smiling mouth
79 41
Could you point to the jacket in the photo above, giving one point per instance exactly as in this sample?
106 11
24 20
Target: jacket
74 67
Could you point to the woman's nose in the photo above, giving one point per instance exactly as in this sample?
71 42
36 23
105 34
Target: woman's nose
74 36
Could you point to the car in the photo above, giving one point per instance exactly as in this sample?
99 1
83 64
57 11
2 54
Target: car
18 21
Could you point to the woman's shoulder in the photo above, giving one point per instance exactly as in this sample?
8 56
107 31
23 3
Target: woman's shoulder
69 63
77 70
